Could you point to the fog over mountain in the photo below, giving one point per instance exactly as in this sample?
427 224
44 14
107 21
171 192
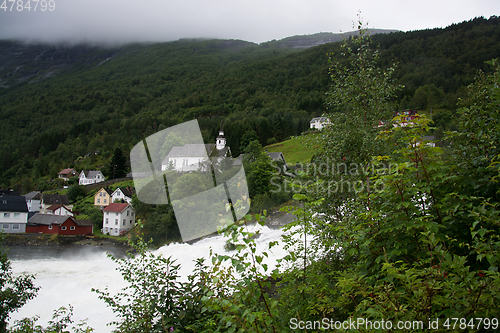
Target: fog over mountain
115 22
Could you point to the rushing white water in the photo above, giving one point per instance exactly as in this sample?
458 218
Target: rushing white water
68 277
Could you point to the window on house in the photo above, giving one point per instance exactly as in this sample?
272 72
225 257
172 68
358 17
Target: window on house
15 226
72 228
107 221
100 194
104 200
63 228
50 227
6 226
98 200
6 215
124 221
17 215
116 221
107 213
128 213
130 221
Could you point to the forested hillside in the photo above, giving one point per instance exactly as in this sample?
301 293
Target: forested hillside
112 98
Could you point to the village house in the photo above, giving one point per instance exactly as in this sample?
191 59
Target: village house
53 199
59 225
60 210
118 218
103 197
122 194
66 174
13 213
90 177
279 159
408 117
33 200
191 157
319 123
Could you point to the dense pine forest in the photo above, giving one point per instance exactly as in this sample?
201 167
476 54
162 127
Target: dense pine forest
87 101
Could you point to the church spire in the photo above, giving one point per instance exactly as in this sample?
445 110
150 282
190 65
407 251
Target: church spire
221 140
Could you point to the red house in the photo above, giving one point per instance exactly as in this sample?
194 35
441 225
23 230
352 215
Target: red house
408 117
60 225
66 174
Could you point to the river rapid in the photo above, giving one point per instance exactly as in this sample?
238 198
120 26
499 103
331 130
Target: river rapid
66 274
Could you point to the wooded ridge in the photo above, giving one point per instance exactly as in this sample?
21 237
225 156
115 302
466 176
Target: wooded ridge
71 106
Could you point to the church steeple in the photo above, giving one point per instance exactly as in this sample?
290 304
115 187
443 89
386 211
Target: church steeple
220 142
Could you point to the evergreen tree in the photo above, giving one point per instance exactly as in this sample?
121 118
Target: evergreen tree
118 165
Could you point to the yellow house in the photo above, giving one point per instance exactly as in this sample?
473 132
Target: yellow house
103 197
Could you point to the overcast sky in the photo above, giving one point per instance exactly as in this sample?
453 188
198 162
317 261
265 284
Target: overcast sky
251 20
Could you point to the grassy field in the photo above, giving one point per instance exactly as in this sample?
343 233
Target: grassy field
297 149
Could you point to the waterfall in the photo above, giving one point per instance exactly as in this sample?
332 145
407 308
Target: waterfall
67 276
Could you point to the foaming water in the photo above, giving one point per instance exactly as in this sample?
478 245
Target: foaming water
66 275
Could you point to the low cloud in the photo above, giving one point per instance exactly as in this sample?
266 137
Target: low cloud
119 21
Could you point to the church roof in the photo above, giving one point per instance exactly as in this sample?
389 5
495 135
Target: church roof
188 150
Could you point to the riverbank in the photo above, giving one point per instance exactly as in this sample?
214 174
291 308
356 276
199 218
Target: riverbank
47 240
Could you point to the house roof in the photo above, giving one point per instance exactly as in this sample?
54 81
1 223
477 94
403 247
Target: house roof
405 112
13 203
116 207
48 219
35 195
91 174
106 189
126 192
66 171
83 223
196 150
188 150
52 199
277 156
315 119
57 206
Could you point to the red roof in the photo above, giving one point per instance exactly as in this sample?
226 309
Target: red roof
66 171
116 207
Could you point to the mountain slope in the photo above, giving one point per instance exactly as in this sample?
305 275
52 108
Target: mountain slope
96 105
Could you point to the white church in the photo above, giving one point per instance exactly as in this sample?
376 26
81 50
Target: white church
191 157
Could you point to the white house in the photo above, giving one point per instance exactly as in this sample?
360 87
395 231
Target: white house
122 194
59 210
49 200
191 157
117 218
33 200
13 213
319 122
91 177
